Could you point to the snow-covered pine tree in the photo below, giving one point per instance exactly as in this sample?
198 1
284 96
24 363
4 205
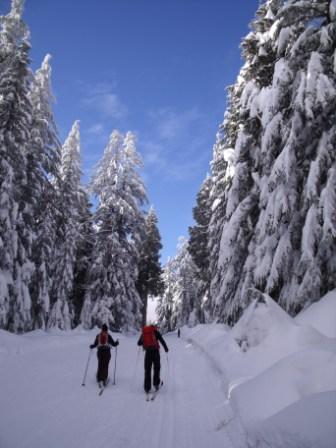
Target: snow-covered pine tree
279 234
243 129
180 303
187 305
165 304
296 245
85 245
16 216
221 175
42 171
68 235
112 297
259 56
198 246
149 282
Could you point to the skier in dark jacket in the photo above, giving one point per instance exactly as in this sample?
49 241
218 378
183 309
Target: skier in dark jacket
103 341
149 340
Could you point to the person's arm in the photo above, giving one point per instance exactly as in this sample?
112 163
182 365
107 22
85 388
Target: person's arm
160 338
112 342
140 341
95 343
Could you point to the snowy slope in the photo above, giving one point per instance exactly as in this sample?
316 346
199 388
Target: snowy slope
270 381
272 366
321 315
44 405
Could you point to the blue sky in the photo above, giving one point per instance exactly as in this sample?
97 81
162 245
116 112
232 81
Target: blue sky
156 67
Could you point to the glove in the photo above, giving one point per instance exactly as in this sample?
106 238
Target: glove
92 346
166 350
117 342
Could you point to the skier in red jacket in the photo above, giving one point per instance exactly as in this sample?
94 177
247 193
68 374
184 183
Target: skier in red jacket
149 340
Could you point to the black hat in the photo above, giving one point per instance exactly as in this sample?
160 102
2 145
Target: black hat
104 327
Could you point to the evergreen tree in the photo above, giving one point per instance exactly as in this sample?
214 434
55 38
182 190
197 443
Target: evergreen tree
221 175
85 245
278 233
150 273
42 171
62 312
165 304
16 220
198 245
187 302
235 152
112 297
296 242
198 240
244 131
180 303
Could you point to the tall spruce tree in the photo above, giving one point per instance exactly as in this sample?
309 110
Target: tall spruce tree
187 305
16 217
62 311
244 129
278 232
235 152
198 245
84 249
296 243
42 172
221 175
150 273
180 303
112 297
165 304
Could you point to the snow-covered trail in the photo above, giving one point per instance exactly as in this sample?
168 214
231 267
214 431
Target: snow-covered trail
44 404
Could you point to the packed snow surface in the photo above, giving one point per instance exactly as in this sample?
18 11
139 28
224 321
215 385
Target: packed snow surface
268 382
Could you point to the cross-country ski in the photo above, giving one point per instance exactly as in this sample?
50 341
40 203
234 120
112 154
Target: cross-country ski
103 385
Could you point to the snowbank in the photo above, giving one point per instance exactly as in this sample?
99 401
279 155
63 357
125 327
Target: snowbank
274 366
321 315
309 422
299 375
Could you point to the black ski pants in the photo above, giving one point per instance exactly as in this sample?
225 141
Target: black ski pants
104 356
152 358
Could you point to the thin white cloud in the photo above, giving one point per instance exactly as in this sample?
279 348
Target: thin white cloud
172 124
96 129
103 99
176 148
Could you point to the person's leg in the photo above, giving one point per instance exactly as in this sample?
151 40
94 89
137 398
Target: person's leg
100 366
106 360
148 370
157 366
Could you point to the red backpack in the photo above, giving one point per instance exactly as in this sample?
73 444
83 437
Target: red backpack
148 337
103 338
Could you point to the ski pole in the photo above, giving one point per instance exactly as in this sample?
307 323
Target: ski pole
86 368
115 366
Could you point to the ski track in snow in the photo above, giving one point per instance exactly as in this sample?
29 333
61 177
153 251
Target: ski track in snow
44 404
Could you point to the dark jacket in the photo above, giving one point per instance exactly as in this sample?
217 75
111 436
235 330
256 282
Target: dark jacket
110 341
158 337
